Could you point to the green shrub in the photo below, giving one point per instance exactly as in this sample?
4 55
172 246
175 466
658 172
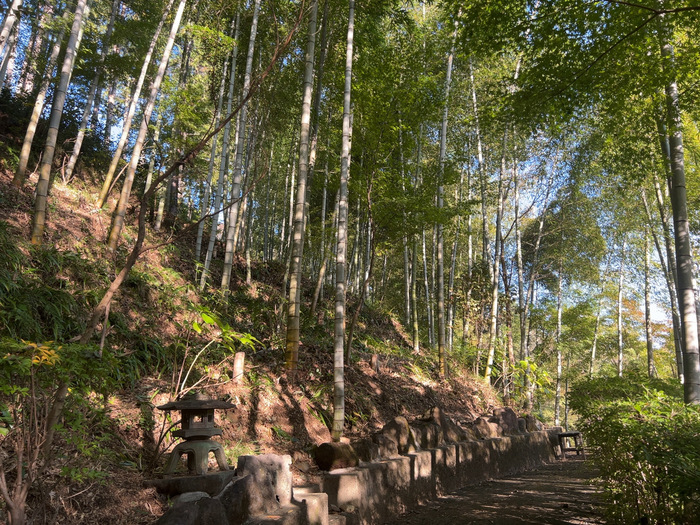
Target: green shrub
646 447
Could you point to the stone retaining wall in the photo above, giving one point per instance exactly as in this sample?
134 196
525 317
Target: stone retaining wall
376 492
260 492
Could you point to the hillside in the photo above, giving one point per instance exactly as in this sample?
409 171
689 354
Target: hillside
118 438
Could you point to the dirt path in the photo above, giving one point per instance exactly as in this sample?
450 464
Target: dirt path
556 494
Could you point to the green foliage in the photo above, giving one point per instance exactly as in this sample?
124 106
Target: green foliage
646 447
31 375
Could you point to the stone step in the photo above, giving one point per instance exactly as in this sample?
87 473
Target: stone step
336 519
286 515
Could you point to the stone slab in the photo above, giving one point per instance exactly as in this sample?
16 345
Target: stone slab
212 483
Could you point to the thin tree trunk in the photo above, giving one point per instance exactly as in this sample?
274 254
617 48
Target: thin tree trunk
120 212
135 96
10 49
91 94
494 269
667 263
21 173
294 304
442 352
339 338
428 295
238 163
414 298
223 166
42 189
210 172
9 22
557 342
684 262
368 275
619 309
481 169
651 369
324 265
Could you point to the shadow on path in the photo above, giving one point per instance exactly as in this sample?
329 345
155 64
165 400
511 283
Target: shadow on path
559 493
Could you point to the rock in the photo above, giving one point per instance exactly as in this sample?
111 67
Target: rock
485 429
332 456
533 425
522 425
366 449
427 434
507 419
387 447
188 497
269 468
247 496
451 432
398 430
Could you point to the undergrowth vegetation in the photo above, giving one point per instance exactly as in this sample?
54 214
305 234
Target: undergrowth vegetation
646 447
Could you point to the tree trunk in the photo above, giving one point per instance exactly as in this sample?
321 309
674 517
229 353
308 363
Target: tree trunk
596 330
120 212
91 94
339 339
442 352
619 309
494 269
557 342
238 163
684 262
414 298
481 170
210 172
651 369
10 49
135 96
294 304
42 189
368 275
667 263
223 166
21 173
9 22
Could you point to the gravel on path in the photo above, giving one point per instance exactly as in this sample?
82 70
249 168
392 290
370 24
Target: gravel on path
558 493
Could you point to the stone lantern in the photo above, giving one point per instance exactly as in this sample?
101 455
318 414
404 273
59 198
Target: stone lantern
197 429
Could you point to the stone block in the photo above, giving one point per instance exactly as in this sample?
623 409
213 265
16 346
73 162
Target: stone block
292 514
212 483
423 487
316 507
270 468
445 468
205 511
343 487
246 497
332 456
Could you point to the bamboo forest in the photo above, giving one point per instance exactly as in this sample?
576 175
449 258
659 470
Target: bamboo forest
318 220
